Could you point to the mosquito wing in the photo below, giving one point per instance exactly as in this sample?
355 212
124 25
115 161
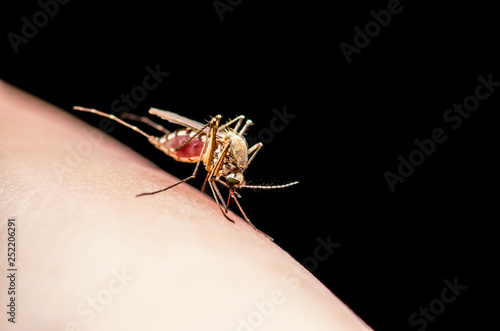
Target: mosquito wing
178 119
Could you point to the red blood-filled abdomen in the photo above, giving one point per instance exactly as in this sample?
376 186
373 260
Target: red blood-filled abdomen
189 153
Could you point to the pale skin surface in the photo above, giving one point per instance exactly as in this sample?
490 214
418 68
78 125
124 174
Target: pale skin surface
92 256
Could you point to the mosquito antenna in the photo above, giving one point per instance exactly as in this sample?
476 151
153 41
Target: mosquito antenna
144 119
270 187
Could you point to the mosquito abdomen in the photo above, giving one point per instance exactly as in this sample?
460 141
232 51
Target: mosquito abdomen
189 153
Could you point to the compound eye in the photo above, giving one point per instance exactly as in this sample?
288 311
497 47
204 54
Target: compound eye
232 181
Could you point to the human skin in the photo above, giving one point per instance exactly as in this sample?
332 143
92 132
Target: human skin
92 256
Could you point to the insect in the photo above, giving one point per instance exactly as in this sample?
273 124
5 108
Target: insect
221 148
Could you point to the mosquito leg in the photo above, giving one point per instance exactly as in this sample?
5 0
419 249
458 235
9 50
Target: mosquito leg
116 119
182 181
223 183
179 182
145 120
213 171
209 124
244 129
253 150
218 197
246 218
205 183
239 119
216 192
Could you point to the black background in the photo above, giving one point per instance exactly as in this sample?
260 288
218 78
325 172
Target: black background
352 122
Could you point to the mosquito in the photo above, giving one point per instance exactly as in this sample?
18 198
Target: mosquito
221 148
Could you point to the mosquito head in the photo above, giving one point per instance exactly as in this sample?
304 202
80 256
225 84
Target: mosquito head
234 179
